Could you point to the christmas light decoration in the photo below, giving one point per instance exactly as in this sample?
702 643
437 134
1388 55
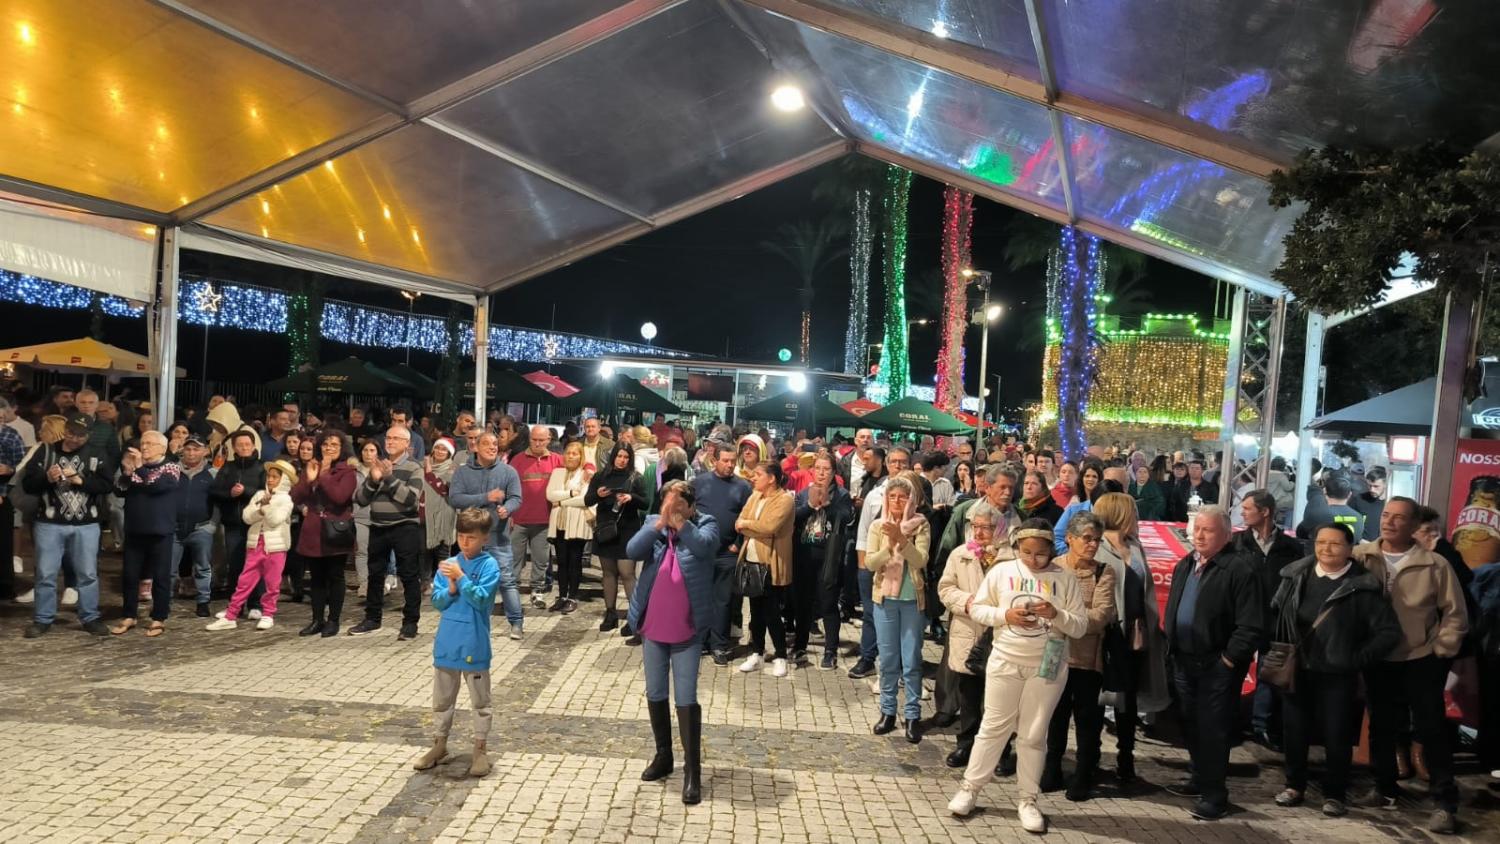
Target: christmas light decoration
1079 272
895 367
958 220
253 308
860 242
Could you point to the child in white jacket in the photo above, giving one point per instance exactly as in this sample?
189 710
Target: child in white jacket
268 522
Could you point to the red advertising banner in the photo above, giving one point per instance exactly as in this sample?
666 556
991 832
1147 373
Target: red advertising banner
1474 503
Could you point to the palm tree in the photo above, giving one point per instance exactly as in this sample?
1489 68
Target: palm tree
810 248
850 187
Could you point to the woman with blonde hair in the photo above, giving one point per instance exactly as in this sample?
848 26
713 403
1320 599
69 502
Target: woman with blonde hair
1135 650
570 524
896 553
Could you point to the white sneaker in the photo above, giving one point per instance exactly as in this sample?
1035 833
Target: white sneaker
963 802
538 601
752 662
857 622
778 668
390 583
70 597
1032 819
221 613
265 623
222 623
27 597
253 615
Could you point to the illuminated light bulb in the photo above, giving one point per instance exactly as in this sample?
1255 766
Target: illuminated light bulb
254 113
914 104
149 231
26 34
361 233
161 131
265 232
940 29
415 238
328 165
386 211
265 207
182 200
161 175
788 98
993 313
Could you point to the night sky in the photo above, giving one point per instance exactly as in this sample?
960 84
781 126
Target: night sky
707 284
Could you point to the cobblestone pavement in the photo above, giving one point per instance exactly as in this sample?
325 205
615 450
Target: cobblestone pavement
263 736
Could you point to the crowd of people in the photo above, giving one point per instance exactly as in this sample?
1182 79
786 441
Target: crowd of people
1027 568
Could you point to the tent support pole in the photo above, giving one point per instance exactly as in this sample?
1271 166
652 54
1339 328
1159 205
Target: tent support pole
1312 364
1230 413
164 343
1449 402
481 355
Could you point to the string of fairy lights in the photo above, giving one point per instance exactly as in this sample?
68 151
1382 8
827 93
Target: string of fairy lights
895 366
861 239
217 304
958 222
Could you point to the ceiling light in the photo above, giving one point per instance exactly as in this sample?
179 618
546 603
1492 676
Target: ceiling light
787 98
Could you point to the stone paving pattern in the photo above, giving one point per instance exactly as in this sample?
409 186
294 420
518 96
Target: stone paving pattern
263 736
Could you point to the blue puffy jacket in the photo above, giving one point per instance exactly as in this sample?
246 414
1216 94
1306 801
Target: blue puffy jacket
463 634
697 544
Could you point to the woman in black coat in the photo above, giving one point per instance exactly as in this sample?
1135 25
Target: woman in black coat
1339 616
619 498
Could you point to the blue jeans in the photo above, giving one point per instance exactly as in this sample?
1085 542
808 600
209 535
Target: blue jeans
1264 705
682 660
898 624
869 644
199 548
510 590
718 637
81 545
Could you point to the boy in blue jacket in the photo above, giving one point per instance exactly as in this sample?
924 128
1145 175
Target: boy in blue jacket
463 591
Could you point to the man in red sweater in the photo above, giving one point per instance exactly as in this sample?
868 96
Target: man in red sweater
528 530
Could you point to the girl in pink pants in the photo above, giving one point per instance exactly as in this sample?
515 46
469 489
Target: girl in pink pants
269 534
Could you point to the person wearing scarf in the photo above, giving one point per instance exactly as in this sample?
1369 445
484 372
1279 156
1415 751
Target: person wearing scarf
438 515
967 566
1036 501
896 555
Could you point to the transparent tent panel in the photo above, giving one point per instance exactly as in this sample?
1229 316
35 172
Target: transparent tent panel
657 114
402 49
1181 202
422 201
130 102
998 27
930 115
1286 75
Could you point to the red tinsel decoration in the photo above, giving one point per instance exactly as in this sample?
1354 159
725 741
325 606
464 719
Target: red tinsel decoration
958 220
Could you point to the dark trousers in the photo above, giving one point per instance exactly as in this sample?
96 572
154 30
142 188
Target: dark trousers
765 612
806 594
849 601
945 691
1080 703
406 541
718 637
1489 711
234 563
147 556
1326 702
569 566
1208 696
830 591
1127 710
1411 692
970 703
326 586
7 549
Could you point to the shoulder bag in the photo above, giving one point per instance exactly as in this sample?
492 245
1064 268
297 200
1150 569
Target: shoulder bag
1278 665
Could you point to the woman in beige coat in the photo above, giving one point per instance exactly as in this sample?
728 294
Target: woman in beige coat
766 524
1080 698
961 578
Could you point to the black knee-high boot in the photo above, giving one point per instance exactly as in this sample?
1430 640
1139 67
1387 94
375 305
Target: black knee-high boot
690 724
661 730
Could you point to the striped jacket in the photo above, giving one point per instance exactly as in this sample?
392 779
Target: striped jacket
393 500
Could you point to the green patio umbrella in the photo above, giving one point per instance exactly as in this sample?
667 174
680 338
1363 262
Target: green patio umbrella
417 378
347 377
620 392
802 409
506 385
913 415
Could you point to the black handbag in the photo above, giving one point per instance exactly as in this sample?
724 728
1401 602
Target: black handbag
1278 664
979 655
338 532
751 580
607 532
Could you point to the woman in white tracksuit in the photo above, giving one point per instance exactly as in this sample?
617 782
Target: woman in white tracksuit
1034 607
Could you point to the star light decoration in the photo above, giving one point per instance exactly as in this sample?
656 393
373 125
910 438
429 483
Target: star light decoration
207 298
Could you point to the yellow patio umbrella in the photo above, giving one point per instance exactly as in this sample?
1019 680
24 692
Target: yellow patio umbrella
82 355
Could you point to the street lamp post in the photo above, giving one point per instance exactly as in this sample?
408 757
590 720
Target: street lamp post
982 318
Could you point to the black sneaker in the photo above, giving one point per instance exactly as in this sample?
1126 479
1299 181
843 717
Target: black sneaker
1186 788
96 628
799 656
408 631
721 658
634 641
366 626
1376 800
35 631
1206 811
203 610
862 669
830 661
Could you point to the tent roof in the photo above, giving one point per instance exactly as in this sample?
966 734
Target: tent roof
801 408
82 355
913 414
464 148
1407 411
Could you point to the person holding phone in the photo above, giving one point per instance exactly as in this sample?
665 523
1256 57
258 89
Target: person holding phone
1034 606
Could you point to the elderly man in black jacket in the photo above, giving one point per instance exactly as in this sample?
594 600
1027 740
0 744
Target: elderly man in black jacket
1268 550
1215 622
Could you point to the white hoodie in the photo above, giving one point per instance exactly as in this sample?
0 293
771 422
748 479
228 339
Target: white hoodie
1012 583
275 522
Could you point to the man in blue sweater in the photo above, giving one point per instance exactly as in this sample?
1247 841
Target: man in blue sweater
488 483
722 494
